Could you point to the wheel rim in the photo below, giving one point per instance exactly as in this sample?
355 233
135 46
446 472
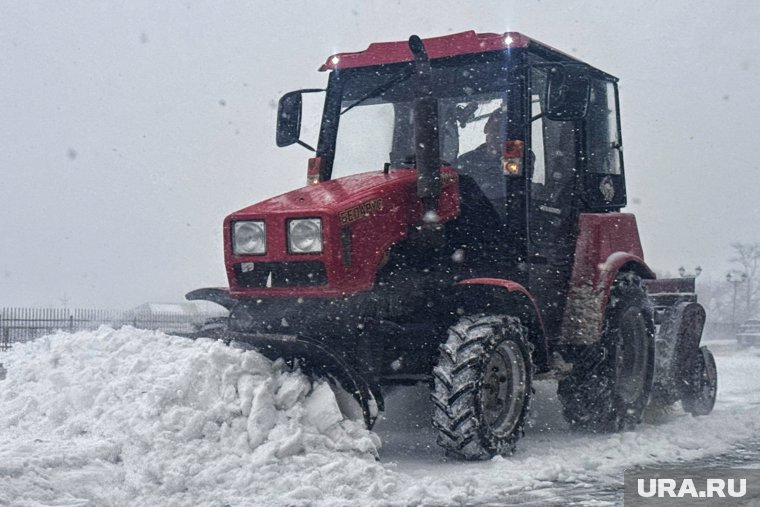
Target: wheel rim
504 388
632 357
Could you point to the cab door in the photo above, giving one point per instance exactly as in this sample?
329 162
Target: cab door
553 203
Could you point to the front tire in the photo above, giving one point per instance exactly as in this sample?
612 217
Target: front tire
482 387
611 381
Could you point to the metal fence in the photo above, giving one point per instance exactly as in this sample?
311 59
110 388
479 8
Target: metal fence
24 324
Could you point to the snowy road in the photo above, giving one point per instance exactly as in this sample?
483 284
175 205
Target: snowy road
556 466
129 417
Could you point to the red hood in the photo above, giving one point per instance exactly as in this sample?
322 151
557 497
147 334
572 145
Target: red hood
362 217
332 196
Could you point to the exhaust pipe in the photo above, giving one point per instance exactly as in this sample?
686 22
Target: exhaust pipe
426 133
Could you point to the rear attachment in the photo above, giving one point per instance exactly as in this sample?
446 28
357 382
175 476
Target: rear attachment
683 370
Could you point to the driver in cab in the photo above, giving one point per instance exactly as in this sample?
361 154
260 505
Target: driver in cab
484 163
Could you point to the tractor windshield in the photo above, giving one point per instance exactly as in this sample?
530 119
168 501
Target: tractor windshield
369 117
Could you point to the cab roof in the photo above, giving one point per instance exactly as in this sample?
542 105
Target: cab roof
380 53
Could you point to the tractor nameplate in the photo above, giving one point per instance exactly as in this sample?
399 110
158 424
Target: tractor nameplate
363 210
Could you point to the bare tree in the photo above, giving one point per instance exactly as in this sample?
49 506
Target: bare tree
747 256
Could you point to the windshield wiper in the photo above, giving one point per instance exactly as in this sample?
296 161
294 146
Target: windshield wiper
380 89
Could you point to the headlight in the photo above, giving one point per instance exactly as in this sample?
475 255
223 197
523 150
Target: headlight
249 238
305 235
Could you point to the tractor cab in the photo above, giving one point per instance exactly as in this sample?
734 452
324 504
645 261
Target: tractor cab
532 134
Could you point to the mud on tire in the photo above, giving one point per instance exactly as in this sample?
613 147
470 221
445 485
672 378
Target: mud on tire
482 386
609 386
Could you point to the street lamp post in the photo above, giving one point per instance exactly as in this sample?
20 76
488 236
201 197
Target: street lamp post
735 280
683 274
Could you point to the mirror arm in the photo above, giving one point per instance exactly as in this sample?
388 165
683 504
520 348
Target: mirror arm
310 90
307 146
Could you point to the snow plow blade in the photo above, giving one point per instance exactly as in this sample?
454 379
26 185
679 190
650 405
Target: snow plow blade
309 356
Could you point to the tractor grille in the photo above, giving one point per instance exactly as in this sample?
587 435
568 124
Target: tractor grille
259 275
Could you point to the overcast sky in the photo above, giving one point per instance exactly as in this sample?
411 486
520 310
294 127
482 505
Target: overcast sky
130 129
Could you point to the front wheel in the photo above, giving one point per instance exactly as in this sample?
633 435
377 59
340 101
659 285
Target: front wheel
482 387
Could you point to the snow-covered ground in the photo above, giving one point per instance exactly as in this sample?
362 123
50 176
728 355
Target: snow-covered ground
131 417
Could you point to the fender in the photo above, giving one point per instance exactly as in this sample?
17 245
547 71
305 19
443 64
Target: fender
479 294
617 262
608 243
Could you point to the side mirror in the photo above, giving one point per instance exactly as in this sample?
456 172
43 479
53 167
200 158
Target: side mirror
289 112
567 93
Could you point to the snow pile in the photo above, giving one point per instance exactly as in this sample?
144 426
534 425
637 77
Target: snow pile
126 416
130 417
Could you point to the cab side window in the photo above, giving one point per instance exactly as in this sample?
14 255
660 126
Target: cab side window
604 186
602 135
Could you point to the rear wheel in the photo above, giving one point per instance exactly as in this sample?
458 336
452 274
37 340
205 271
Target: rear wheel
611 381
482 387
700 399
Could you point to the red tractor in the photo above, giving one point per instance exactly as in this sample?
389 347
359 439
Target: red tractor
461 226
